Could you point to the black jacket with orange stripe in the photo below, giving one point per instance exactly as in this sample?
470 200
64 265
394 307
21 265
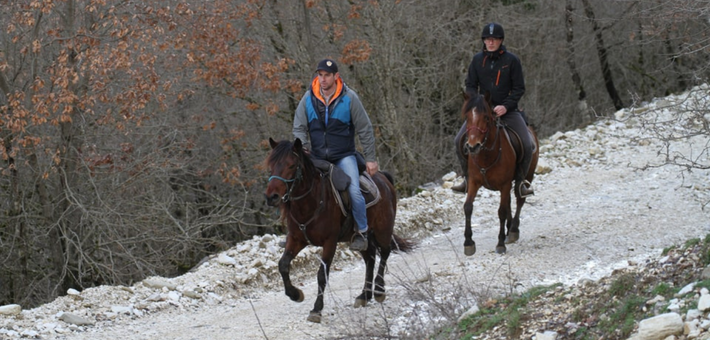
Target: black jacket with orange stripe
500 73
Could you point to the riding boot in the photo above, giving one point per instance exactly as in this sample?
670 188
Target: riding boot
461 187
359 242
522 185
525 188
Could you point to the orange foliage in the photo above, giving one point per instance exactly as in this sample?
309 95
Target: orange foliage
356 51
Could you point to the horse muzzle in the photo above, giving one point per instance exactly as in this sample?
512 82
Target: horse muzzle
472 149
272 200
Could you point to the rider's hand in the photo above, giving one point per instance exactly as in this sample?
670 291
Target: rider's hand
500 110
372 168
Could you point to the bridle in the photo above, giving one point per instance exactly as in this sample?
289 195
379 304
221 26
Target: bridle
291 184
288 196
467 146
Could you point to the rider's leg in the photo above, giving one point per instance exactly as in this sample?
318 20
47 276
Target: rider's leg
458 145
516 121
349 166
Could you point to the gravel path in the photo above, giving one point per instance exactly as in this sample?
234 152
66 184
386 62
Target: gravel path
593 211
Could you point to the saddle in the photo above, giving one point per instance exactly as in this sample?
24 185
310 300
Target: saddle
339 182
516 143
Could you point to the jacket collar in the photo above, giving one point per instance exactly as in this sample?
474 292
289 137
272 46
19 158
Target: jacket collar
495 54
315 89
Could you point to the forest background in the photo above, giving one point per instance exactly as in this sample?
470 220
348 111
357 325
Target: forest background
133 133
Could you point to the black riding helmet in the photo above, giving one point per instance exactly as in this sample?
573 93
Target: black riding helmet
494 30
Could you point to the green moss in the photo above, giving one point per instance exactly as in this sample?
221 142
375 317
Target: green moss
622 285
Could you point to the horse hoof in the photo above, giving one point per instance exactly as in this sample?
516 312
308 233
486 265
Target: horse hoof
360 303
512 238
314 317
300 296
500 249
380 297
469 250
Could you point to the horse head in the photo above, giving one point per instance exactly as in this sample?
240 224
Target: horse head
286 165
479 121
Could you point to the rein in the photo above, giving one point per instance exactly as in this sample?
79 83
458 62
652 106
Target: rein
484 170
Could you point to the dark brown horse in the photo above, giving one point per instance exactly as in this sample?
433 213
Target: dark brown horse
492 164
313 217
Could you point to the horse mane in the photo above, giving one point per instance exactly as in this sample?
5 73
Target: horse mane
285 148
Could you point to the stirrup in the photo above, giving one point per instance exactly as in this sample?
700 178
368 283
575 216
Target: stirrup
525 189
461 187
359 241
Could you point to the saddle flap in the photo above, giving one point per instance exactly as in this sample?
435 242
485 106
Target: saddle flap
338 179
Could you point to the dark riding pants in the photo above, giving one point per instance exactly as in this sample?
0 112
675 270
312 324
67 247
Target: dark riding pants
515 121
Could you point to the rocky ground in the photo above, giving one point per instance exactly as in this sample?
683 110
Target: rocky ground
595 212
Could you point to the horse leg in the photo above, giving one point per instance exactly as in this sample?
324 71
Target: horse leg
323 272
469 246
514 231
504 215
292 249
380 279
369 257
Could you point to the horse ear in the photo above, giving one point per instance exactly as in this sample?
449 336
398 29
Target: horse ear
466 96
297 144
273 143
487 97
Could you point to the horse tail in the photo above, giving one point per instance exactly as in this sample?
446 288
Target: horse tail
389 176
401 245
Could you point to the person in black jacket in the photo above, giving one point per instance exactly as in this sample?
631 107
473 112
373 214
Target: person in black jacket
499 72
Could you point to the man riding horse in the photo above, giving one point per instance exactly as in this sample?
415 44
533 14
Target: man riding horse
326 120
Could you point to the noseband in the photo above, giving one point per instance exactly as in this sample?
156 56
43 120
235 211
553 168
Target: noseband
291 184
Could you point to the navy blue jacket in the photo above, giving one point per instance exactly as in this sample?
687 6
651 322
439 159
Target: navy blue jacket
346 118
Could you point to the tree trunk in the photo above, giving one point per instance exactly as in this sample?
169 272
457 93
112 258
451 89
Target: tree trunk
602 52
587 114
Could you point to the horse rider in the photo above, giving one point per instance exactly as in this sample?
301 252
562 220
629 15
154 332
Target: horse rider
499 72
330 114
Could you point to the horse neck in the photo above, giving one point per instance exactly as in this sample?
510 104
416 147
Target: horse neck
308 190
494 137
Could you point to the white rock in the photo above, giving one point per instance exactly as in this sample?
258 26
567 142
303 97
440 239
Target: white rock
704 303
174 296
547 335
226 260
29 334
73 292
693 314
660 326
122 310
449 177
75 319
473 310
687 289
158 283
10 309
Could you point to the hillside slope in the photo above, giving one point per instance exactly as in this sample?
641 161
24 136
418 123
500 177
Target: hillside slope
594 211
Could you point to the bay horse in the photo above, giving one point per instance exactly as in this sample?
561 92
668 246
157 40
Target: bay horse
313 217
492 165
